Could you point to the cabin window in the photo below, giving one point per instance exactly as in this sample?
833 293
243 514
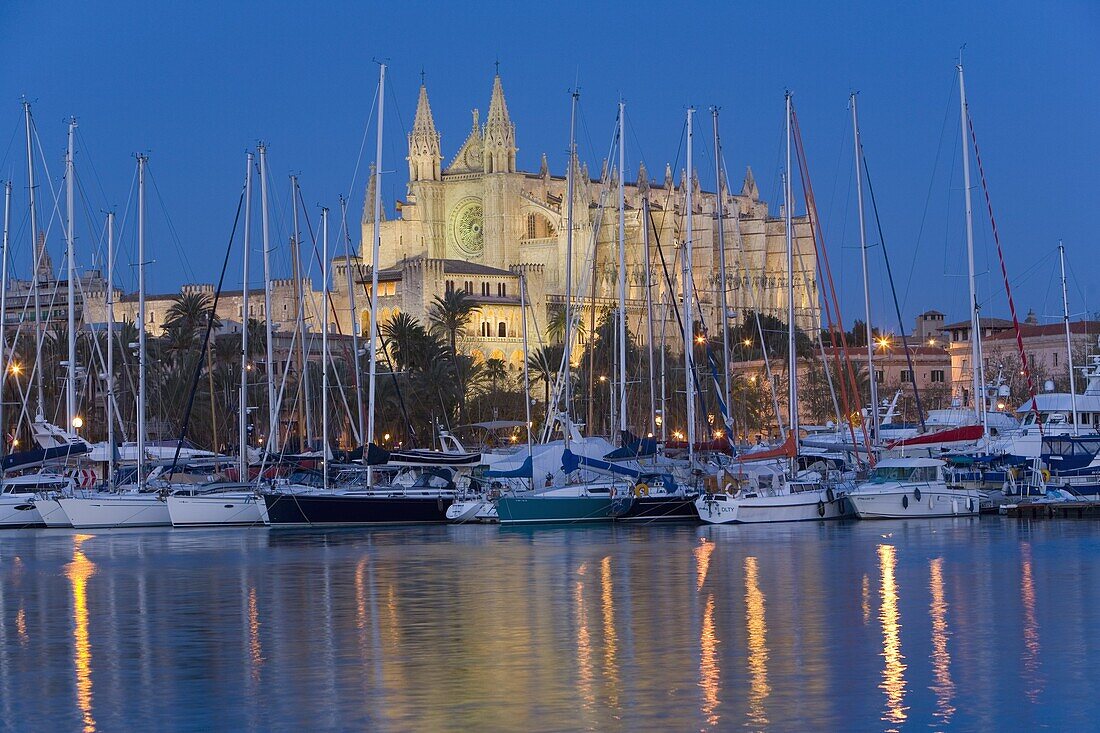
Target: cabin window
937 375
502 329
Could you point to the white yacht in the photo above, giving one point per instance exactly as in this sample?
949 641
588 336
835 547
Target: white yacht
217 504
117 509
18 494
903 488
765 498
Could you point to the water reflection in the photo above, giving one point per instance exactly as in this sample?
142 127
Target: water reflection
610 639
893 672
866 597
702 561
944 686
757 627
78 572
254 650
709 672
584 643
21 626
1032 679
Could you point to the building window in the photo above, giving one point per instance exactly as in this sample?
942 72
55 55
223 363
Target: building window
880 376
906 376
468 286
937 375
485 332
485 290
450 287
1055 358
502 291
502 329
530 226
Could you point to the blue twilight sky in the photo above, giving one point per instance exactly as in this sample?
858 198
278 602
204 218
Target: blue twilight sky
196 84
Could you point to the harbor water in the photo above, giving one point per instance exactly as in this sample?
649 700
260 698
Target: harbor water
960 624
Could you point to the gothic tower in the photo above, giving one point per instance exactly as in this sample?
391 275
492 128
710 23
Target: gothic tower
425 177
501 184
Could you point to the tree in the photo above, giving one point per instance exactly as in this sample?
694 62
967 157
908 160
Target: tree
450 314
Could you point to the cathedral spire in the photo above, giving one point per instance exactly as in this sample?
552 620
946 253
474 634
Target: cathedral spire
643 178
499 151
424 151
668 176
748 188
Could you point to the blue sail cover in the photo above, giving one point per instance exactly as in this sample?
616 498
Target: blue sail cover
632 447
28 458
524 471
570 462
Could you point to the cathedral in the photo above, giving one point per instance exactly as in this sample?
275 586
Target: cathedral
478 223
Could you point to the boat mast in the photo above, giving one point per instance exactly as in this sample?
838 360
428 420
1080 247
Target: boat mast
354 318
242 421
873 384
977 367
39 413
622 272
720 214
70 372
3 311
567 387
142 159
1069 342
649 315
324 345
376 245
272 408
689 321
305 424
526 375
792 354
111 406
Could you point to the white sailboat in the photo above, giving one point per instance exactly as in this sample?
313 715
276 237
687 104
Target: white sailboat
799 495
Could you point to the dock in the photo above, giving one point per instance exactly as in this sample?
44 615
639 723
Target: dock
1065 510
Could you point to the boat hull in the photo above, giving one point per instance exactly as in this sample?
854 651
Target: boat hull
553 509
52 513
18 511
226 510
902 504
654 509
806 506
114 510
309 510
464 511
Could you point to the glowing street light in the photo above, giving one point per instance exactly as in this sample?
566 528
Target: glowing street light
15 369
78 422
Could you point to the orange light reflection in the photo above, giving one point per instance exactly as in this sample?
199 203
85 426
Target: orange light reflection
757 627
941 658
78 573
893 672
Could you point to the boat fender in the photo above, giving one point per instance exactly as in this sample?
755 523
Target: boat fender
641 489
843 507
830 495
821 509
440 504
1045 474
905 502
916 493
970 505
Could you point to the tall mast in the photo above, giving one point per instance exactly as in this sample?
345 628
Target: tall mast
242 422
376 245
526 374
649 316
977 367
792 353
39 410
622 271
1069 342
567 387
689 322
142 159
111 406
272 408
353 313
866 273
70 372
4 310
723 321
324 344
305 422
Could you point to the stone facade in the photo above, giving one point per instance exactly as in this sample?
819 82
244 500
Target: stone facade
481 209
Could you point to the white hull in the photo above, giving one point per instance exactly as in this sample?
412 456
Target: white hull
216 510
117 510
51 512
18 510
464 511
803 506
898 503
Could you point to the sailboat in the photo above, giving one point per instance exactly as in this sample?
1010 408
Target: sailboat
793 495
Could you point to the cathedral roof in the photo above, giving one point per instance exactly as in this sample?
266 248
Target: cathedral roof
468 157
464 267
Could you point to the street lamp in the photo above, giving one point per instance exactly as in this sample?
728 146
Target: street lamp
78 422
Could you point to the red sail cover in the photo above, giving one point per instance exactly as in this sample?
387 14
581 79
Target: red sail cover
964 434
721 445
785 450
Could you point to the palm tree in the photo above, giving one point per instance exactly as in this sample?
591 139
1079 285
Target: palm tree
496 371
450 314
403 335
555 326
190 312
542 366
